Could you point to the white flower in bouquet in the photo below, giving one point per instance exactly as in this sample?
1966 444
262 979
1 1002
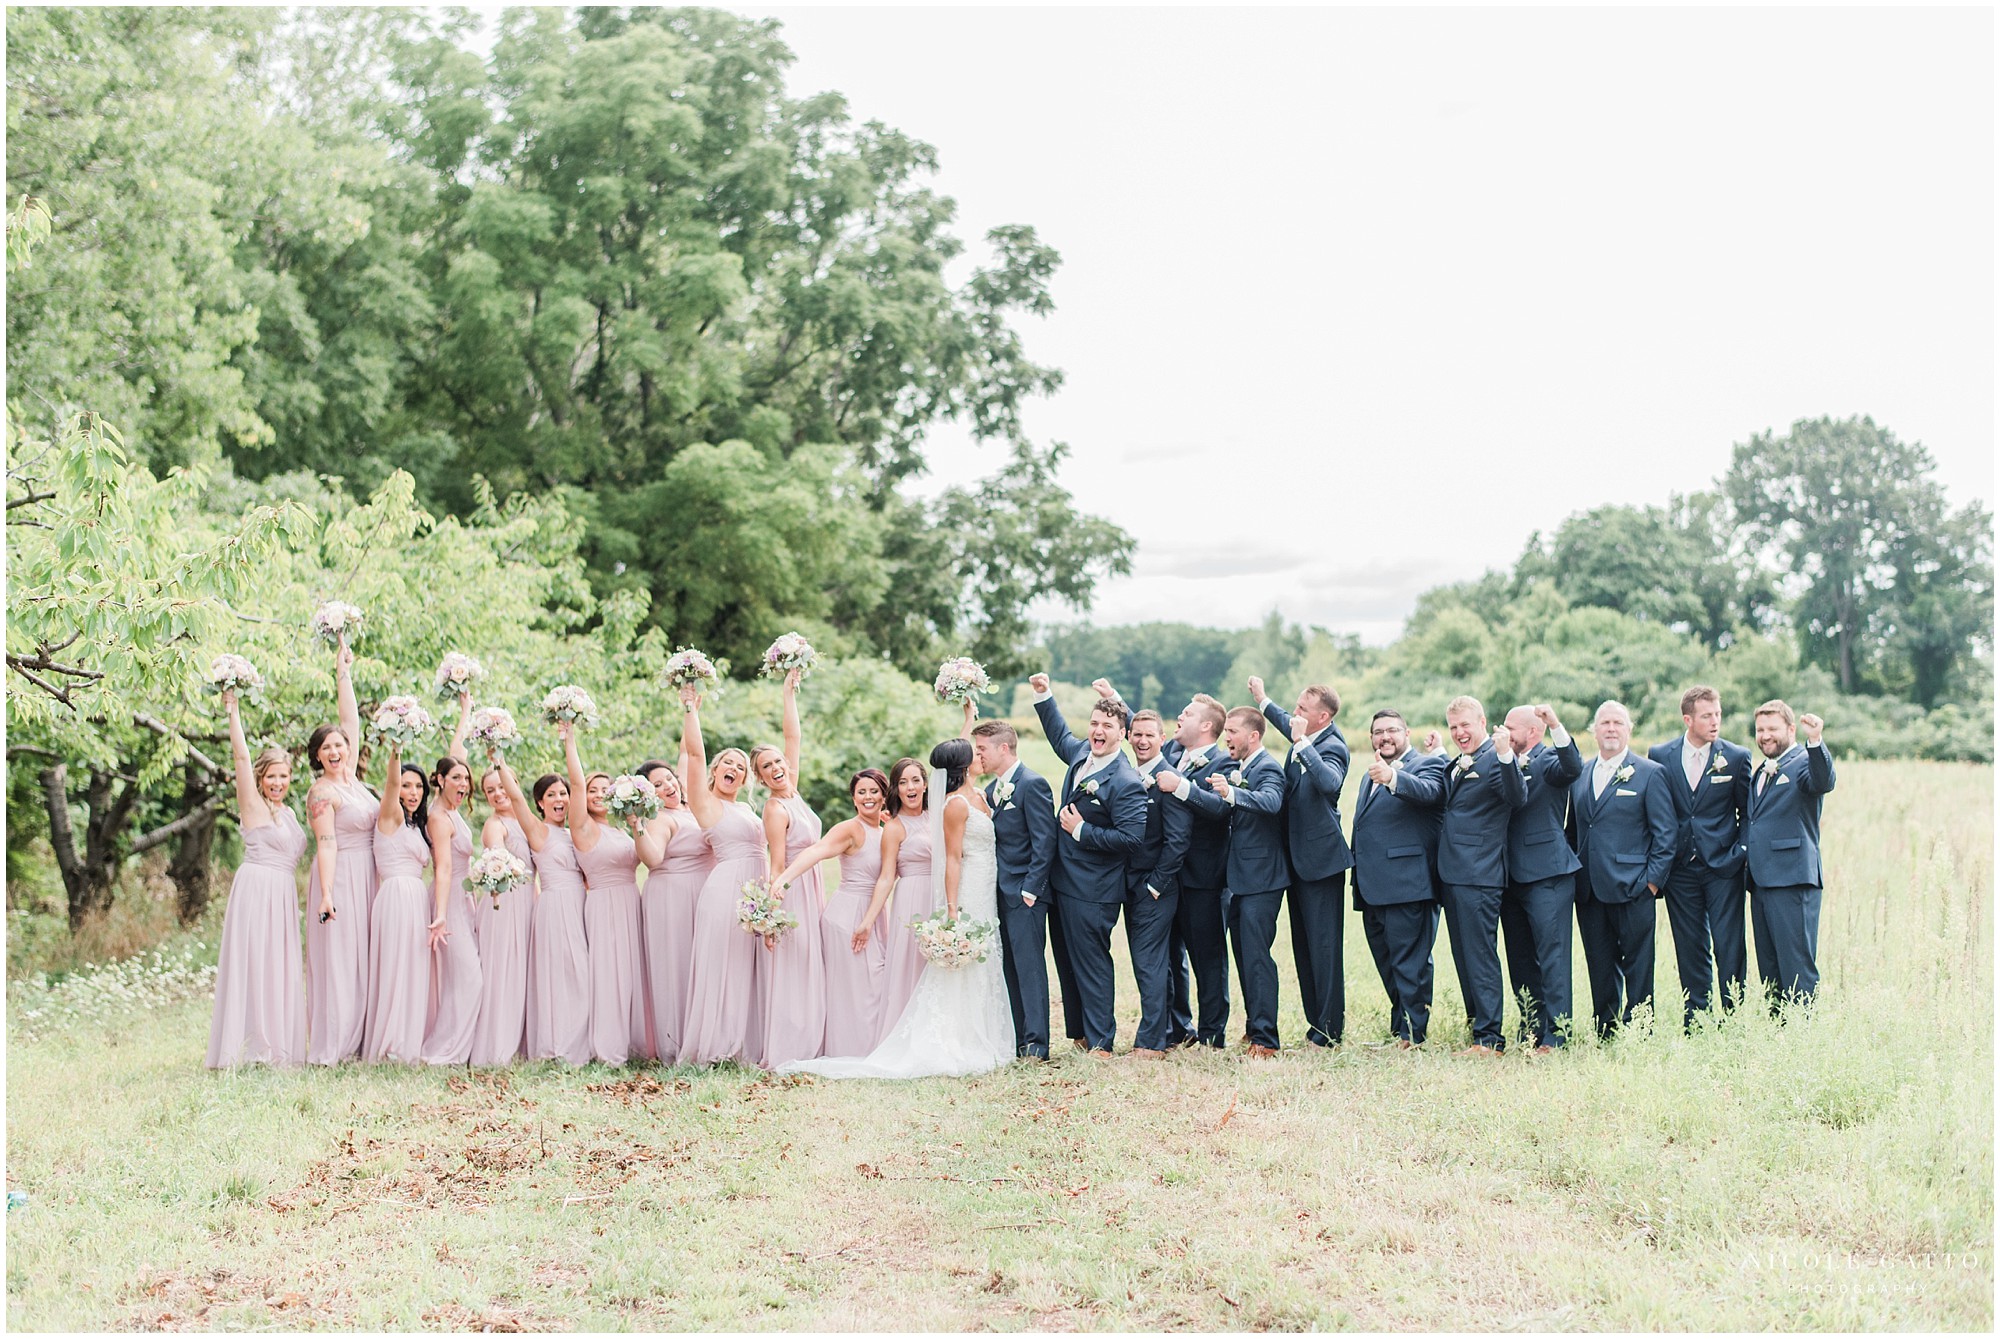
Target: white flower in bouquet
495 871
790 652
960 679
335 620
235 674
762 910
567 702
631 797
456 674
949 942
493 728
688 667
400 721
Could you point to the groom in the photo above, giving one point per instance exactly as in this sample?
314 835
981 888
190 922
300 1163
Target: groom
1104 824
1024 841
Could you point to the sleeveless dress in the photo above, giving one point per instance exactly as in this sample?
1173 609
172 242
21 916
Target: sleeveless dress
853 980
913 897
337 952
666 913
722 1020
792 993
260 1009
399 949
558 957
455 973
611 924
500 1037
958 1022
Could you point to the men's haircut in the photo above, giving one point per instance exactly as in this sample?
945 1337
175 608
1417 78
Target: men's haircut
998 731
1116 710
1777 707
1248 716
1388 714
1611 704
1464 703
1325 696
1149 715
1211 711
1697 695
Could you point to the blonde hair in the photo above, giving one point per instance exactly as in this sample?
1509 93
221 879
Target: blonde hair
1778 707
758 754
265 761
1464 703
723 757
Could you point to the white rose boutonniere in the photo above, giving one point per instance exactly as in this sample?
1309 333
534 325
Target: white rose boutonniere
1004 791
1146 781
1464 763
1089 787
1623 774
1719 764
1236 777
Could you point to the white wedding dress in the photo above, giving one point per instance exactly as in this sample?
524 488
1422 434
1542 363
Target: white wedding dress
958 1021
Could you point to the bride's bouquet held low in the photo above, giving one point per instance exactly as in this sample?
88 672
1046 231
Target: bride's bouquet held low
762 911
948 941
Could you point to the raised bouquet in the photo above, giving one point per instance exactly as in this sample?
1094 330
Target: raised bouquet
790 652
688 667
335 620
456 674
493 728
494 871
234 674
631 797
762 910
948 941
959 680
401 722
567 702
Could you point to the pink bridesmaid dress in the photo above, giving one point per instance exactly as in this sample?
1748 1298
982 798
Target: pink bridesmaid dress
722 1021
260 1012
337 951
399 949
611 924
455 975
854 981
911 899
667 913
792 989
558 957
501 1035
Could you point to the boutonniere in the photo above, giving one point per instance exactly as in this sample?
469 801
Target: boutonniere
1004 791
1623 774
1236 777
1146 781
1090 787
1719 764
1464 763
1770 767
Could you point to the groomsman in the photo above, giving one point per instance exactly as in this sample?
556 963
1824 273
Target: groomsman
1541 876
1705 891
1784 864
1024 845
1199 928
1152 887
1104 818
1315 769
1249 792
1395 889
1621 815
1482 789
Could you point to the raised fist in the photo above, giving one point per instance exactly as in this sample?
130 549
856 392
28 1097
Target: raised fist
1812 725
1256 688
1039 682
1546 714
1103 688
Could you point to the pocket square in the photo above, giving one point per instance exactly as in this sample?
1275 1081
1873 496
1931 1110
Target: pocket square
1470 775
1008 805
1782 780
1623 791
1720 780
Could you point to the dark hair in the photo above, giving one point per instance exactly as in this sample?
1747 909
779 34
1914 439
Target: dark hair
870 774
1325 695
901 766
1116 710
955 757
542 785
423 810
318 737
445 767
645 768
1386 714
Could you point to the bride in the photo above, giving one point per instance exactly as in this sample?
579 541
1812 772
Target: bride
958 1021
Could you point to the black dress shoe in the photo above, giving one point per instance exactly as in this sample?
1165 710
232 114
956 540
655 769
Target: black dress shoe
1032 1052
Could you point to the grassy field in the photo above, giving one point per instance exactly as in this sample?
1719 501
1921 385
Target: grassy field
1832 1173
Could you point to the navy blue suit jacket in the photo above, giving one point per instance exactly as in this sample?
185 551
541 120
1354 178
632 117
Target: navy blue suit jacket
1257 862
1024 834
1536 847
1161 857
1395 834
1784 821
1626 837
1314 773
1091 864
1206 865
1478 808
1713 813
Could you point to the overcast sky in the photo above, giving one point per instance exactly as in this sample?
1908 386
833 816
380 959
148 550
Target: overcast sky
1353 301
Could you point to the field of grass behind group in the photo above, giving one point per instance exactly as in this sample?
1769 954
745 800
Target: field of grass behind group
1835 1172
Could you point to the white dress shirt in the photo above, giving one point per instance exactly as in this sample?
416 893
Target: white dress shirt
1694 760
1606 769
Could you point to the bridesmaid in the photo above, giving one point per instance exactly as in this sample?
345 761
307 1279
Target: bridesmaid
501 1035
854 973
792 991
455 974
722 1022
399 955
675 852
558 1003
342 886
906 872
610 863
259 995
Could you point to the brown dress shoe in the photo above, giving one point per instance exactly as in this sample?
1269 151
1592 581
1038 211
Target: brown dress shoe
1479 1050
1261 1052
1079 1043
1405 1044
1145 1053
1100 1055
